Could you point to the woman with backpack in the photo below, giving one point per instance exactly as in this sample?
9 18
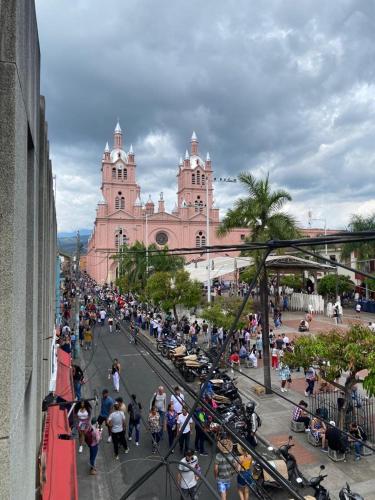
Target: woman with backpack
134 410
92 437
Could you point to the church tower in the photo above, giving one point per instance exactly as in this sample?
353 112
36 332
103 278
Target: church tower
192 178
119 188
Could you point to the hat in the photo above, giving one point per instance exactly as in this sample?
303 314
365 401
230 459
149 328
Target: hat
225 445
332 423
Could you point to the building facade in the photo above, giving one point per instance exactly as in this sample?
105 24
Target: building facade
27 251
122 218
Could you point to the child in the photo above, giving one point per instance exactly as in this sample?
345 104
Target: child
87 338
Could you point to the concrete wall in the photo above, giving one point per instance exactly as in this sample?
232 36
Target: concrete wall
27 250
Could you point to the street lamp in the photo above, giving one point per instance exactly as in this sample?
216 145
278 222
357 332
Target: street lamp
146 241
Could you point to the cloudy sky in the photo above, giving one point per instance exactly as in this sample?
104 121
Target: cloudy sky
285 86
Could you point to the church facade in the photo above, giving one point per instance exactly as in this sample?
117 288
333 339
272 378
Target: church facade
121 217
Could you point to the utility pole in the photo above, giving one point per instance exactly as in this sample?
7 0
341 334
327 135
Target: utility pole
78 250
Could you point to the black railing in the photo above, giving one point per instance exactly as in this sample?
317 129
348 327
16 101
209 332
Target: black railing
360 410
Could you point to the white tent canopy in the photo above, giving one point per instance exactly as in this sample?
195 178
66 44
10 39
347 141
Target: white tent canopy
221 266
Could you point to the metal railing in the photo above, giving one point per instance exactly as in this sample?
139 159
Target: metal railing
360 410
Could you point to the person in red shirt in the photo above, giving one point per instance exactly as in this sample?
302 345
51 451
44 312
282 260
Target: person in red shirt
234 360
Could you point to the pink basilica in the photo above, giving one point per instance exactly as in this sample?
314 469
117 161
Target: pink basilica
122 218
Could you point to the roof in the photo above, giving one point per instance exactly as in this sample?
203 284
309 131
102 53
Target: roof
220 266
119 153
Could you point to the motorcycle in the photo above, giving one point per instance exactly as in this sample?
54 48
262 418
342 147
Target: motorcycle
347 494
294 475
320 492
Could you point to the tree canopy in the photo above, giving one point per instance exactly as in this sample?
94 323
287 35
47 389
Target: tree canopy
332 284
336 353
363 249
169 289
133 265
222 312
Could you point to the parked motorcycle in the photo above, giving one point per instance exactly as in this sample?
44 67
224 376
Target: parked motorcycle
347 494
320 492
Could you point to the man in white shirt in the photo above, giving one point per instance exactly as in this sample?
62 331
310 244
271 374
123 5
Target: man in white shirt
178 400
187 478
102 315
185 436
285 340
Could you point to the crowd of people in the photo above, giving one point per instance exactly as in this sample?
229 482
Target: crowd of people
120 420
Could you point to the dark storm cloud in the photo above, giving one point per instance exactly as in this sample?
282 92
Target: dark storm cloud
281 86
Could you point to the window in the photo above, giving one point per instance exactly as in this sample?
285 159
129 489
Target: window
203 179
161 238
117 202
193 178
125 174
196 204
243 236
201 206
200 240
198 177
122 202
113 173
119 174
120 238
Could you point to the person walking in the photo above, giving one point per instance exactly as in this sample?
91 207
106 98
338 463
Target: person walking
200 424
93 435
105 410
134 410
87 338
154 425
185 436
187 478
77 380
115 372
225 466
284 376
244 477
170 424
82 412
159 400
178 400
310 378
259 345
117 423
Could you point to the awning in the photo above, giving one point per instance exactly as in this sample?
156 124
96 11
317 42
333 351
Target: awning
58 474
64 380
221 266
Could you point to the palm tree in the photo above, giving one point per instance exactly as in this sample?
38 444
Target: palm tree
364 251
261 213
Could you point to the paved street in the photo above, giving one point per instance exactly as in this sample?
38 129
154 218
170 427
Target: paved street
114 477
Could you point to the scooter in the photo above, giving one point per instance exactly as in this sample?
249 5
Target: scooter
320 492
294 475
347 494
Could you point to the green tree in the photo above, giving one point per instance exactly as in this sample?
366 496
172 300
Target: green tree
336 353
332 284
223 311
169 289
291 281
261 213
363 250
133 268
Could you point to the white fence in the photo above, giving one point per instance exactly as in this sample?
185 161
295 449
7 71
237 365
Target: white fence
305 302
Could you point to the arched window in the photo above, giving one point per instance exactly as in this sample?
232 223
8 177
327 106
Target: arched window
122 202
119 174
200 240
117 202
203 179
193 178
113 173
201 206
125 174
196 204
117 241
198 177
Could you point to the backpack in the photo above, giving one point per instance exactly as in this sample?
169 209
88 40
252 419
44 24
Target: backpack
89 436
259 420
135 411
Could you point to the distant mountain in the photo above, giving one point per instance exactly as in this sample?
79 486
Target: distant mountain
82 232
68 244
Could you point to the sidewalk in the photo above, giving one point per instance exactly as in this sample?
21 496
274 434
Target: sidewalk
276 415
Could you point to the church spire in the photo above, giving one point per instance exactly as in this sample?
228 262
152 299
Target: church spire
194 144
117 136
